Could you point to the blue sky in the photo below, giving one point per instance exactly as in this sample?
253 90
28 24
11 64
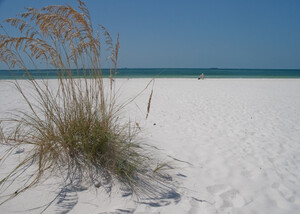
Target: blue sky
194 33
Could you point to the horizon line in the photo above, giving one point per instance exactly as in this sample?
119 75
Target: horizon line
212 68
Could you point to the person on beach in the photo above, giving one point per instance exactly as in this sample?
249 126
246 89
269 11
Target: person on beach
201 76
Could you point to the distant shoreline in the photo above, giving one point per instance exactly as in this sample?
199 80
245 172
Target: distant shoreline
164 73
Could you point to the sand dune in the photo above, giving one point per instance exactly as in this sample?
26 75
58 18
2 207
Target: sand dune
235 145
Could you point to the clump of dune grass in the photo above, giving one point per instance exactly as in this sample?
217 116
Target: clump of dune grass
74 129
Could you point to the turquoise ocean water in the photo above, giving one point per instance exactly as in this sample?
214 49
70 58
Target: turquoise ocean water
168 73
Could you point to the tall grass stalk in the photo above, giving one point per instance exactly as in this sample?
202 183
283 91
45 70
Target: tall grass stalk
74 129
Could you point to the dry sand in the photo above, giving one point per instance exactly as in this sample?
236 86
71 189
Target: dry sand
235 144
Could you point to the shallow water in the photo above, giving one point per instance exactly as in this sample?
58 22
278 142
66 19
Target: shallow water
165 73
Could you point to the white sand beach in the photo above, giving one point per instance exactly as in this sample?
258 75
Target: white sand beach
234 145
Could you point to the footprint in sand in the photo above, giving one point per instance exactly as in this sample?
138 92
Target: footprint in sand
284 192
232 198
226 196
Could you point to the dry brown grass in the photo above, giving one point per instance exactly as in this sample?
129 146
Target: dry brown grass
73 129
